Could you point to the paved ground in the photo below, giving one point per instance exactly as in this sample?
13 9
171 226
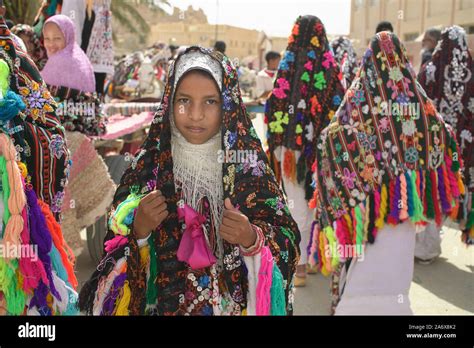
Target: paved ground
444 287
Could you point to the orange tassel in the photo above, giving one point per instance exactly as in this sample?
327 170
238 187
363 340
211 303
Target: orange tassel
289 165
59 243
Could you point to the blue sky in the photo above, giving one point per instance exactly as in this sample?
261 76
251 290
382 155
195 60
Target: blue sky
275 17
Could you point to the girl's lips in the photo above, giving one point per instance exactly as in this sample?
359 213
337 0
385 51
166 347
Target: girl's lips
195 129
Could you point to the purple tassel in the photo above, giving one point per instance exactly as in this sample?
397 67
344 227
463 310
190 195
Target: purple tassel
442 192
41 236
39 300
109 303
394 210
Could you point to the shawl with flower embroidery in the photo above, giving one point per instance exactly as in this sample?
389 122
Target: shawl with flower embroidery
448 80
252 188
305 96
37 131
387 157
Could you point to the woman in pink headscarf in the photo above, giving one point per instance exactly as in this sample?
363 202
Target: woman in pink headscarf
70 77
68 65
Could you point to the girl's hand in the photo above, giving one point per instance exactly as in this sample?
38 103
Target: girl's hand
235 227
151 212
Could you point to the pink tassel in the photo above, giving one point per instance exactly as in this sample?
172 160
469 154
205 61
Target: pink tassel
115 243
264 283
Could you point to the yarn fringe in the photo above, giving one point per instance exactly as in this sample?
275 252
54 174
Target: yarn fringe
419 196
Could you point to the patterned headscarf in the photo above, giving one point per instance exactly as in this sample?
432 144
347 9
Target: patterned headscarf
346 58
448 80
37 131
305 96
39 52
387 156
252 188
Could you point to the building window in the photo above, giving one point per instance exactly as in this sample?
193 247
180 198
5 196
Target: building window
465 4
358 4
469 28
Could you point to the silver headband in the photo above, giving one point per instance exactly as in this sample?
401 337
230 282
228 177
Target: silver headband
198 60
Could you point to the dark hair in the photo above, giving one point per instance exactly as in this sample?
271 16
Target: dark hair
384 26
434 33
272 55
220 46
9 23
198 71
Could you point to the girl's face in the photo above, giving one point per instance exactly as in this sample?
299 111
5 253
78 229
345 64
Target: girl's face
197 107
54 40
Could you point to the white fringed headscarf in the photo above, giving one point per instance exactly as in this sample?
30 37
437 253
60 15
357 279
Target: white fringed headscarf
196 169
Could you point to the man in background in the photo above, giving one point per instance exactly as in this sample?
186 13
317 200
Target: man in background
266 77
384 26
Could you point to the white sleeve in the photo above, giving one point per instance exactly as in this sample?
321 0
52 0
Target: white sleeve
253 266
143 241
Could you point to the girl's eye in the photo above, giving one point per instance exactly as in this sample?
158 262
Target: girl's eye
211 101
183 100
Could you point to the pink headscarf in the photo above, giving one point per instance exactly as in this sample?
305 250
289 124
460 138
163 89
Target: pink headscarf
69 67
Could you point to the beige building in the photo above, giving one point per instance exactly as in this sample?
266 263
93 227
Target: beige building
410 19
191 27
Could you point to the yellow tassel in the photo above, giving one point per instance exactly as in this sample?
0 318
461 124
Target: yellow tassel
144 254
324 263
122 307
349 222
460 184
383 207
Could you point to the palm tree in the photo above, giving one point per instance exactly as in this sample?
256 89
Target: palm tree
22 11
125 12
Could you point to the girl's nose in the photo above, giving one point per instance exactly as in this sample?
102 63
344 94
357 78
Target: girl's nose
196 113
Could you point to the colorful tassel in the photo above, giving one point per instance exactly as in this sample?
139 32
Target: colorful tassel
264 282
403 202
277 293
383 207
152 290
289 165
122 307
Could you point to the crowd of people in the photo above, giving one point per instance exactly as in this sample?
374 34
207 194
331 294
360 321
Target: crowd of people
362 162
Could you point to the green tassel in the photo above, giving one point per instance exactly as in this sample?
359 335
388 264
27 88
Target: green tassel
277 293
359 228
14 296
455 165
470 216
5 188
301 169
331 236
152 291
417 204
